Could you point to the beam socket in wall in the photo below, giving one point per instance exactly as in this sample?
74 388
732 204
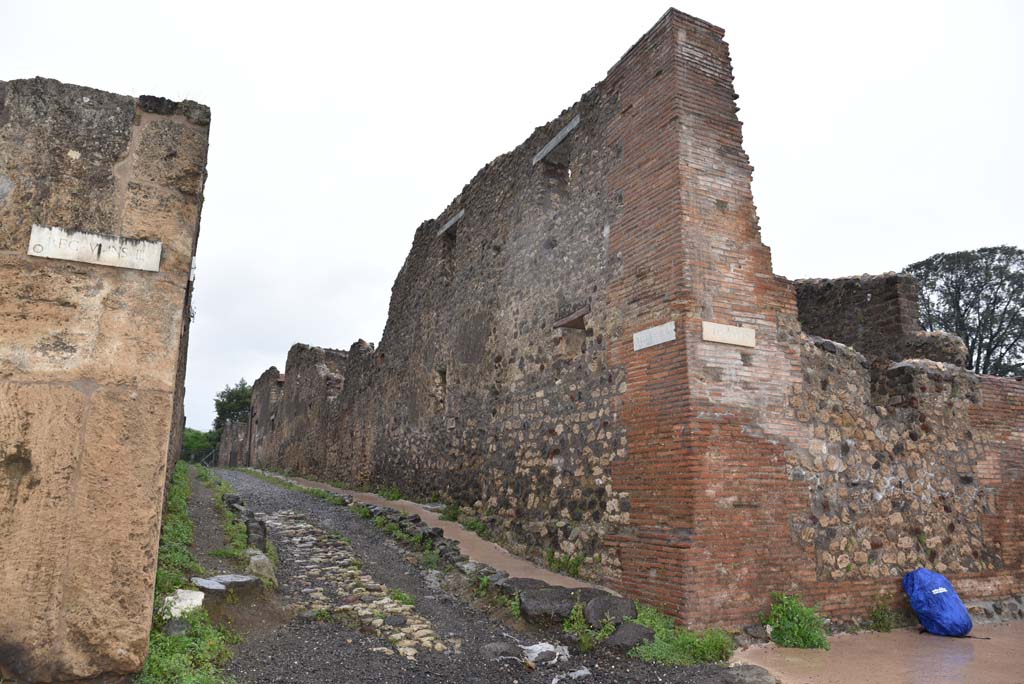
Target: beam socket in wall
557 140
448 229
576 320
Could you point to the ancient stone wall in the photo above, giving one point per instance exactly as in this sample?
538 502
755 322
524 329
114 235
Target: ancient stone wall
474 392
233 448
92 357
261 435
590 346
305 426
876 315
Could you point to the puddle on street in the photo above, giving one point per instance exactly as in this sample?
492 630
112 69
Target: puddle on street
901 657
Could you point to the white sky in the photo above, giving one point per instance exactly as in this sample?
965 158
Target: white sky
880 133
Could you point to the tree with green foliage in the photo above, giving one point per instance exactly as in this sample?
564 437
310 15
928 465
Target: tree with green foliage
977 295
231 403
195 443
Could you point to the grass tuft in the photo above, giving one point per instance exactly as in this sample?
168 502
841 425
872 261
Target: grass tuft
195 657
586 636
391 493
569 565
512 604
674 645
451 512
882 617
402 597
795 624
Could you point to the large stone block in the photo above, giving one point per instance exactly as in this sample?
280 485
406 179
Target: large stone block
59 145
41 443
91 366
62 320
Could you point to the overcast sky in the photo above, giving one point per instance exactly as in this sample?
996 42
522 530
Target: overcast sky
880 133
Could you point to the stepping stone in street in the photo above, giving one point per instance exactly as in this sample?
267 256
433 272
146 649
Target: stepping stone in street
237 581
209 586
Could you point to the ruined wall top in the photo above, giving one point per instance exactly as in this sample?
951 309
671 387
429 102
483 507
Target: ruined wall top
875 314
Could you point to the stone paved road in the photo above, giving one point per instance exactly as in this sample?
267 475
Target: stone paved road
305 651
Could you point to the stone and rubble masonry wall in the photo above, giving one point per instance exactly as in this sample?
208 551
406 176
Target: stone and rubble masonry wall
696 475
92 359
234 444
877 315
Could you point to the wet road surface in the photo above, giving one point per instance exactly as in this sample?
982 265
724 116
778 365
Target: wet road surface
901 657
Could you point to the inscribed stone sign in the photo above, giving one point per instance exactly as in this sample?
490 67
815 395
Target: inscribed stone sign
728 334
665 332
93 248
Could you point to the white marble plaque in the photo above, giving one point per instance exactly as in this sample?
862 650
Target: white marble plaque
92 248
728 334
665 332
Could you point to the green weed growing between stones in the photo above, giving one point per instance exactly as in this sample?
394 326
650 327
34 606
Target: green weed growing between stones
390 492
512 604
795 624
569 565
586 636
362 511
402 597
673 645
451 512
431 559
882 617
195 657
477 526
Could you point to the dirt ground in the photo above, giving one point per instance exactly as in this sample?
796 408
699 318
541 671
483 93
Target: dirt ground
901 657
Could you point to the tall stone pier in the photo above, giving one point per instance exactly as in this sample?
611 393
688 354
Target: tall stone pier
100 197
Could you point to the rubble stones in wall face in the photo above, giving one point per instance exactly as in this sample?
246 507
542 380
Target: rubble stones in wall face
935 346
876 315
233 446
473 394
891 469
262 440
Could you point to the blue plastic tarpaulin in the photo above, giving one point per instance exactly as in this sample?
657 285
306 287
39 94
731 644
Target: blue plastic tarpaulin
936 603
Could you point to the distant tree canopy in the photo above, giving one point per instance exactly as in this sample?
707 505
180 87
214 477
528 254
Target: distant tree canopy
231 403
196 444
978 295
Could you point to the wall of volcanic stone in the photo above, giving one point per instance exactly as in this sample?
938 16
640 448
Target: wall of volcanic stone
233 449
593 349
473 392
91 366
876 314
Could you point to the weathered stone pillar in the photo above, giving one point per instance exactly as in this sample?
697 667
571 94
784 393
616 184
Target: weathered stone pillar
93 324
